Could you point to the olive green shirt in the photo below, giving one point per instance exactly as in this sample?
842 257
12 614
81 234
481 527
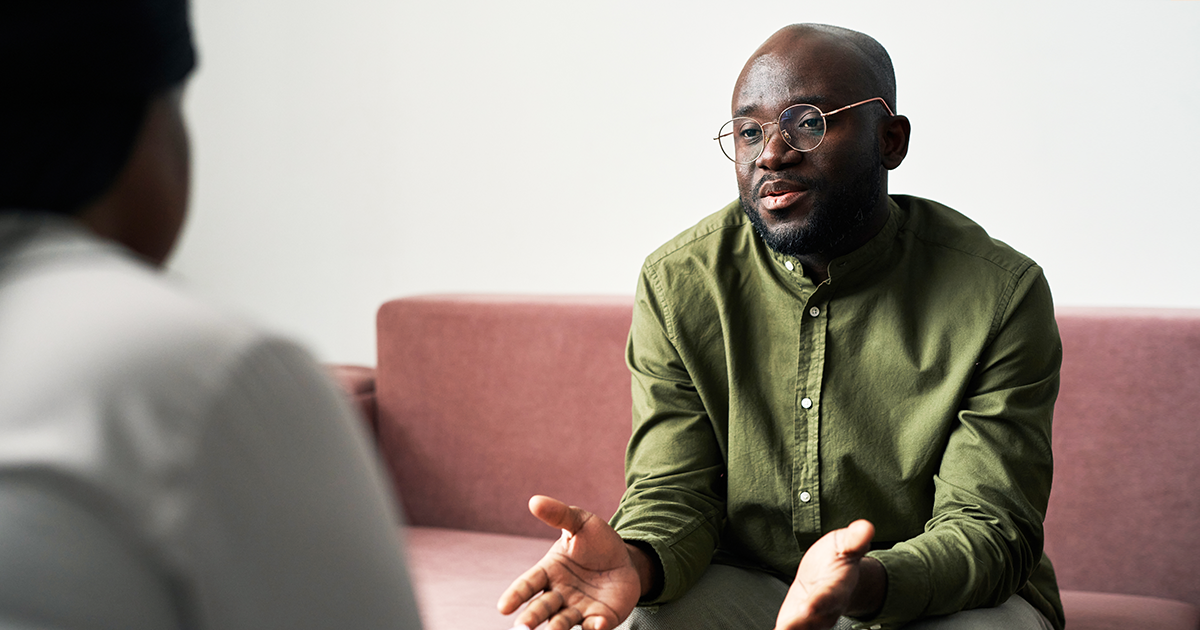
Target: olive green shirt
913 388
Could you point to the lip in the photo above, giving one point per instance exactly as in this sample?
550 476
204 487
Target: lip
779 194
775 203
780 187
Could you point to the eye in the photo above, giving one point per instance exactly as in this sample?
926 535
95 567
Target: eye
802 120
813 123
750 134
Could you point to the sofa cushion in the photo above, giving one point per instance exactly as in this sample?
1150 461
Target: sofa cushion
1105 611
459 575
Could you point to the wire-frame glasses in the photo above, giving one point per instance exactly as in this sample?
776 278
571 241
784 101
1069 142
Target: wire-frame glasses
802 127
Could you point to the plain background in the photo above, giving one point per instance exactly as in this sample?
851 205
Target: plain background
348 152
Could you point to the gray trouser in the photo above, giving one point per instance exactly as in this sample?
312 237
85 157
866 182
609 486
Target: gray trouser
729 598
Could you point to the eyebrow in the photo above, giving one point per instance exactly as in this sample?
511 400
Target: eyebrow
821 102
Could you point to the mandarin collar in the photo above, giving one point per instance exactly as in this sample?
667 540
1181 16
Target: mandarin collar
859 263
846 268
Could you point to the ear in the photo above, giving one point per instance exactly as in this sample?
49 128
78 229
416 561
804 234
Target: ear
893 140
145 207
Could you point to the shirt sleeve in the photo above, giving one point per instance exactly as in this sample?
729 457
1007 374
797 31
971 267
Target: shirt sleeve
984 540
675 498
289 524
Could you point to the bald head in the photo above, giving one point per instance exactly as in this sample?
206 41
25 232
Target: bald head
858 61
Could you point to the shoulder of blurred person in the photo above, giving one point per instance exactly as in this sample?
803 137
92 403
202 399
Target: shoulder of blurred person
162 463
166 464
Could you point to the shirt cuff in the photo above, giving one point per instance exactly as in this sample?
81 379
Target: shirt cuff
907 591
672 580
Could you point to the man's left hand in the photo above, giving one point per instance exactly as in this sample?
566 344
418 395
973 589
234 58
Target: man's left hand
835 579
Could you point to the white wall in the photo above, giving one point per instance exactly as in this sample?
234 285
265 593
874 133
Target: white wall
353 151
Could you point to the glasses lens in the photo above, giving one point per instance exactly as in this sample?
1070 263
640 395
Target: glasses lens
741 140
802 126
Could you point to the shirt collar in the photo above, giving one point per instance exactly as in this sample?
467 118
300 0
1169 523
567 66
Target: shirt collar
873 254
858 263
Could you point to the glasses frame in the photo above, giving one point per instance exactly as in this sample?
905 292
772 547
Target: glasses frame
763 145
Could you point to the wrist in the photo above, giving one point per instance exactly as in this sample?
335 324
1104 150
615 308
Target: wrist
870 590
645 561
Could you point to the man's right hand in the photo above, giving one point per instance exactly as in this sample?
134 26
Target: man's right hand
589 577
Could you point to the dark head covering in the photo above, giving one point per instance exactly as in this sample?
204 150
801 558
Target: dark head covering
75 79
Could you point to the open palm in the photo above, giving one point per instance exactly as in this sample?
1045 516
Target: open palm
826 580
586 578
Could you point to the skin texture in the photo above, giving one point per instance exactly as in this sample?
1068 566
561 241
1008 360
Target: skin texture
145 208
815 206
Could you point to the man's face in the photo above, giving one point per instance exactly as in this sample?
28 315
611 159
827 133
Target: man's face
819 201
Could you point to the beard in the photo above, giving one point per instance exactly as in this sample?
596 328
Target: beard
839 214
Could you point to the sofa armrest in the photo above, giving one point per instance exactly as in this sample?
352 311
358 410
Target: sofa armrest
358 382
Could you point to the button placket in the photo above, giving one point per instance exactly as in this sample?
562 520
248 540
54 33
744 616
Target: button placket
807 486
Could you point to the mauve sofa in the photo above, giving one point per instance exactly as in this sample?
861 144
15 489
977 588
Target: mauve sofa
479 402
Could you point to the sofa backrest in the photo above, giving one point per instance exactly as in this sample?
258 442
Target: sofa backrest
484 401
1125 505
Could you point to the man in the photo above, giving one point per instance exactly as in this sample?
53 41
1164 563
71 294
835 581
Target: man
162 465
842 400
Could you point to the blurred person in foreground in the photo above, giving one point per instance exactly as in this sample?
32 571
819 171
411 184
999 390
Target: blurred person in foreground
162 464
841 398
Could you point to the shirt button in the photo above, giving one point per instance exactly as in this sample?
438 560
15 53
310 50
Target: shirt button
814 311
789 265
806 403
805 497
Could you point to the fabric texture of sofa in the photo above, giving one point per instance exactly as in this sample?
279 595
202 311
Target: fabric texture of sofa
479 402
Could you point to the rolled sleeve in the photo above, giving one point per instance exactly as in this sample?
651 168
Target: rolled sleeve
674 465
984 541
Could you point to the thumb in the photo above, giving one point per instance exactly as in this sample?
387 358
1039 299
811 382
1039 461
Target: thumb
557 514
855 538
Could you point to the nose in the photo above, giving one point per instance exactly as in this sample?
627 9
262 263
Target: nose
776 152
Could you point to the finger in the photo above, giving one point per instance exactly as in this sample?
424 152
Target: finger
522 589
596 622
543 607
555 513
566 619
855 539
